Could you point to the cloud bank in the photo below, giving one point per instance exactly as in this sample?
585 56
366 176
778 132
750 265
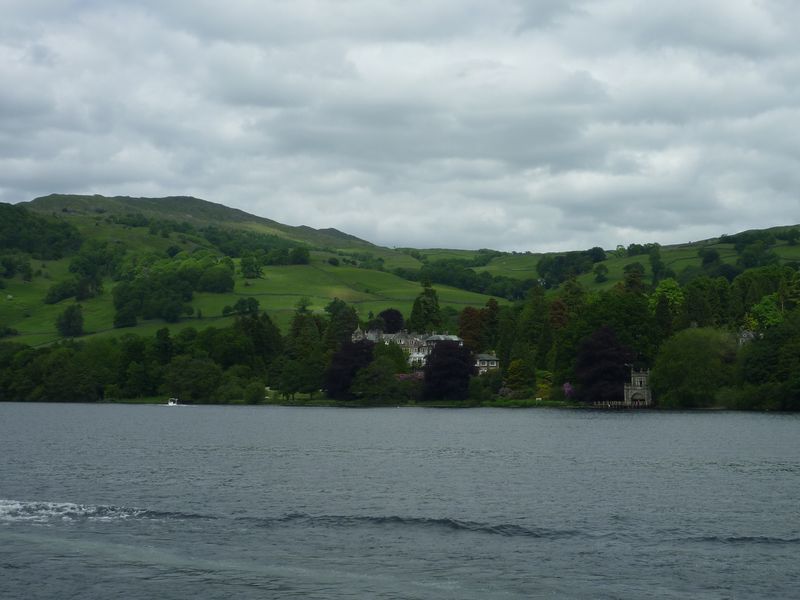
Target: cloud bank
539 125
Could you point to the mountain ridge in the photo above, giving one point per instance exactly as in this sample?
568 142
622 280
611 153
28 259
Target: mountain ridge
191 209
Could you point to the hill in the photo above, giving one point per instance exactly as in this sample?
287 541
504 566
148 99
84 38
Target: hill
192 210
338 265
148 234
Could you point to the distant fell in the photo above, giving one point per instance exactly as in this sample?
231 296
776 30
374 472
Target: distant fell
192 210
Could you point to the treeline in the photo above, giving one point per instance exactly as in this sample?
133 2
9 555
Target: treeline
261 248
458 273
709 342
164 288
42 238
24 235
580 346
233 364
555 269
212 365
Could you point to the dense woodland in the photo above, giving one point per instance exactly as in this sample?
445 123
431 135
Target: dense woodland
717 333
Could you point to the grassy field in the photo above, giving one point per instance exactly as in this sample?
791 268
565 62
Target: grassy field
517 266
278 292
448 254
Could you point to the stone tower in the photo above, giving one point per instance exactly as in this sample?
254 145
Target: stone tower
637 392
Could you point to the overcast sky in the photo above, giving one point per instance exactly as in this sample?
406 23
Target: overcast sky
538 125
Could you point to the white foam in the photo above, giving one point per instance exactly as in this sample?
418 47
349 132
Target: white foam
47 512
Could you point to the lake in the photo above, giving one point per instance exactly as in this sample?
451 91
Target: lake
138 501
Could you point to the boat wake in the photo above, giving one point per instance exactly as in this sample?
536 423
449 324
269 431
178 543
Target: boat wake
50 512
501 529
15 511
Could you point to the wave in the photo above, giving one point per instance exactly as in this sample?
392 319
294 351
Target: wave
55 512
48 512
501 529
745 539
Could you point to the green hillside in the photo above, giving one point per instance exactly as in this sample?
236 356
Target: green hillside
370 277
192 210
88 212
519 265
278 289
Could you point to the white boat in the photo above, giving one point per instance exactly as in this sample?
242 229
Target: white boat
172 402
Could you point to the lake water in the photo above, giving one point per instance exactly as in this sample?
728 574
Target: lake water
266 502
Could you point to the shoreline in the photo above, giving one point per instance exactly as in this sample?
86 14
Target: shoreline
323 403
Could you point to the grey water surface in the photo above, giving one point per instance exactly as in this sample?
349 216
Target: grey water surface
120 501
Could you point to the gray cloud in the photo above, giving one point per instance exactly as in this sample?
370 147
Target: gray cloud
536 125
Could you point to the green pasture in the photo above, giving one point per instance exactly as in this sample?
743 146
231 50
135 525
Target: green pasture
517 266
788 253
278 291
433 254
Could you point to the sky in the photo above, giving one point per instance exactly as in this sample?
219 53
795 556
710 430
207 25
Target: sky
535 125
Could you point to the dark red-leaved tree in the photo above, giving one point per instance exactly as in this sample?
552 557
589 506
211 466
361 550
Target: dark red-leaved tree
447 372
601 367
392 320
345 364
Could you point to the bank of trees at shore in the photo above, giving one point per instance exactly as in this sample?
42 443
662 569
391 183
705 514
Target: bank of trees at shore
709 342
715 334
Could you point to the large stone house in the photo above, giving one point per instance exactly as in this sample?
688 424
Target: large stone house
419 346
416 346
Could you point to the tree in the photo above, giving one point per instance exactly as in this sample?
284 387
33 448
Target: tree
697 309
299 256
601 367
600 273
657 267
254 392
192 379
692 366
217 279
126 315
633 278
394 354
521 376
376 383
392 320
533 322
425 314
709 257
250 267
61 290
447 372
163 347
491 323
64 376
341 325
666 303
246 306
628 315
345 364
770 367
265 339
767 312
304 354
470 328
70 322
